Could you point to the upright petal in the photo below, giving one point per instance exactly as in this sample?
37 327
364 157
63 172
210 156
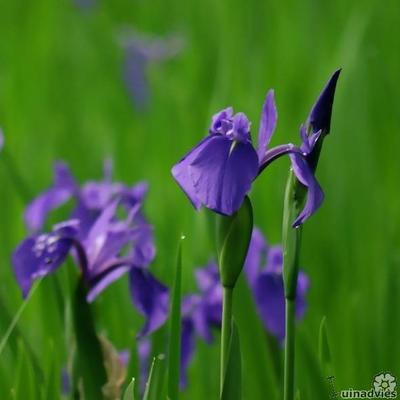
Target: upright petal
181 173
61 191
150 297
321 112
315 195
222 173
269 117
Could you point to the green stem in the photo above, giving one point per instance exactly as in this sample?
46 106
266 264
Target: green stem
226 331
289 349
291 241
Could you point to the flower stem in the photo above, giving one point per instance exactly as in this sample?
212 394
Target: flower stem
291 253
226 331
289 350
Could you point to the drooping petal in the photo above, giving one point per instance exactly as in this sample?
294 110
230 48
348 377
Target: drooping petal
222 173
315 195
187 348
269 116
38 256
62 190
321 112
150 297
181 173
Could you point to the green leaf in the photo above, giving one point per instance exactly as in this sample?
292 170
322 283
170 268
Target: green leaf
174 348
154 384
25 384
233 240
89 371
130 391
232 389
325 358
52 382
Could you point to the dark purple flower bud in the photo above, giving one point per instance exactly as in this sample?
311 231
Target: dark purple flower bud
321 112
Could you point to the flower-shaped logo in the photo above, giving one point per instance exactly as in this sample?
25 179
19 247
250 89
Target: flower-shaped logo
385 382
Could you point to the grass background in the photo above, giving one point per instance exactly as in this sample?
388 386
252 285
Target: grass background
62 96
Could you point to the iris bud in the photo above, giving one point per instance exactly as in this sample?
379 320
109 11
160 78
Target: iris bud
233 239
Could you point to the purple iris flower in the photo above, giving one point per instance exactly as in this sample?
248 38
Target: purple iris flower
219 171
263 269
104 245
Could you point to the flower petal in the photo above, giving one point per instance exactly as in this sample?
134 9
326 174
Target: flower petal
181 173
107 278
222 173
150 297
269 116
63 188
39 256
315 195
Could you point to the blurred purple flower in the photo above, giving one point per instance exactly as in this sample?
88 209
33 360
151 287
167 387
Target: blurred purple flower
219 171
104 245
140 51
90 198
200 313
263 269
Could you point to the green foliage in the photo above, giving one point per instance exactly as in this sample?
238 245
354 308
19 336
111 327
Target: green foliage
130 391
174 348
155 382
89 371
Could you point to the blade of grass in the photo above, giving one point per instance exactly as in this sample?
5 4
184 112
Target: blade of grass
17 316
130 391
174 348
154 383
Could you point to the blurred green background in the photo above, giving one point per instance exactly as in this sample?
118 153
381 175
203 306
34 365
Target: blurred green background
63 96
